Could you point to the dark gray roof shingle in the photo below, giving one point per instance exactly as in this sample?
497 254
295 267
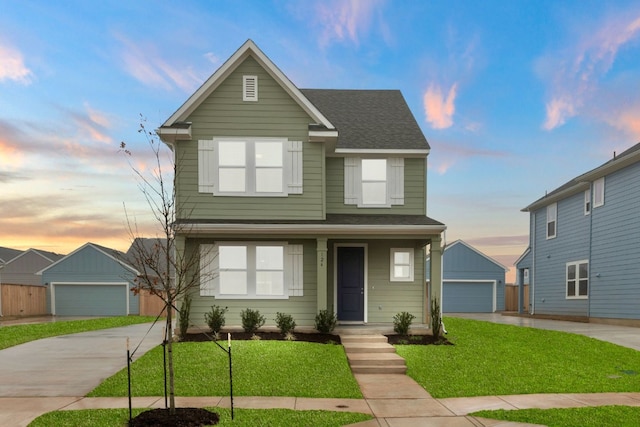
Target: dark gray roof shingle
369 119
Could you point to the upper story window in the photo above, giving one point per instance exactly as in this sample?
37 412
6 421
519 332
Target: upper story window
587 202
249 88
373 183
250 167
552 214
578 279
598 192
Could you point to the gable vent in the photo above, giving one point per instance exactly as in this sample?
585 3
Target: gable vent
249 88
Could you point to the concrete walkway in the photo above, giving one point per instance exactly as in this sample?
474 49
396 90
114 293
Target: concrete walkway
394 400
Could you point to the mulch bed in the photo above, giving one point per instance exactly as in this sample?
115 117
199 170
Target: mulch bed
302 336
184 417
417 340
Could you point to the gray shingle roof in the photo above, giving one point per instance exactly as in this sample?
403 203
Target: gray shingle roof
369 119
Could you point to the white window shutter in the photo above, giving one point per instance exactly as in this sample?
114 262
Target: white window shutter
396 180
209 269
294 267
206 166
294 158
352 180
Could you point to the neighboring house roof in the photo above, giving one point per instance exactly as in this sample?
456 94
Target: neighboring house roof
582 182
463 243
524 254
175 128
7 254
49 256
143 247
116 255
369 119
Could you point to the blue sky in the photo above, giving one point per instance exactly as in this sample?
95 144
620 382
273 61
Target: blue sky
515 98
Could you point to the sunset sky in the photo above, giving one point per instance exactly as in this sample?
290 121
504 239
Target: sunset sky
515 98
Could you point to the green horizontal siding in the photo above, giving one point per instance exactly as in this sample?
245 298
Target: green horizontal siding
275 114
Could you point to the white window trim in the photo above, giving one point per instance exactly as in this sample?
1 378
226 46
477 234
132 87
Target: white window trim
392 265
353 183
587 202
577 280
292 169
293 271
250 88
555 221
598 192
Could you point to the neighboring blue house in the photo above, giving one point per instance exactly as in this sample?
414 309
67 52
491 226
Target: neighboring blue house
472 281
583 258
91 281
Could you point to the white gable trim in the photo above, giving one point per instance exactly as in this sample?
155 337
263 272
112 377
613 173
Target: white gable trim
488 258
249 48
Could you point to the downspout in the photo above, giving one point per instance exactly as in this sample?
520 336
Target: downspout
532 274
590 249
444 245
1 267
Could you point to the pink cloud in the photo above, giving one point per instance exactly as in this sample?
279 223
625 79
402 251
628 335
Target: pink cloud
145 64
12 66
346 20
576 72
439 109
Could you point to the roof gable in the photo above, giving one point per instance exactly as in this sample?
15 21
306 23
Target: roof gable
249 48
7 254
115 255
476 251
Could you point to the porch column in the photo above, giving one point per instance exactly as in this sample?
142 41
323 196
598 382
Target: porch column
435 280
321 278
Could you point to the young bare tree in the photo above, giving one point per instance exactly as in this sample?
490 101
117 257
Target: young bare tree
165 271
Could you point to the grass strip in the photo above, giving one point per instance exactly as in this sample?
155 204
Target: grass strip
598 416
493 359
260 368
242 418
20 334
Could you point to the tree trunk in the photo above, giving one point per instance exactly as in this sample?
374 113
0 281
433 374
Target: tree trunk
172 399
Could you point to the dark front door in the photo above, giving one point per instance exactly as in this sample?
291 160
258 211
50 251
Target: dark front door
351 284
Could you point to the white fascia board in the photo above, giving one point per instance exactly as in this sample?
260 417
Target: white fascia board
547 200
382 151
172 134
247 49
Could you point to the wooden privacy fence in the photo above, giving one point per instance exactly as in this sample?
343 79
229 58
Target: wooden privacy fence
23 300
150 304
511 298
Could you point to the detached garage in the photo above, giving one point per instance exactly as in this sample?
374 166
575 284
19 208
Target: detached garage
472 281
91 281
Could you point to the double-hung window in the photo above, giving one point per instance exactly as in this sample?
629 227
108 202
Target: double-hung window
244 270
552 220
374 183
401 265
254 167
578 279
587 202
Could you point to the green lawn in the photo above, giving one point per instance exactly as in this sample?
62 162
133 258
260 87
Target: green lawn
260 368
242 418
618 416
494 359
20 334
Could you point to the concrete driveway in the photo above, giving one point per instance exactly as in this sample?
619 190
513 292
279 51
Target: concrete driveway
71 365
626 336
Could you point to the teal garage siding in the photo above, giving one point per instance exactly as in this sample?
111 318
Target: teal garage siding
90 299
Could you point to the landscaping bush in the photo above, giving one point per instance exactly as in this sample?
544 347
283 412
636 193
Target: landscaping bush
252 320
326 321
215 318
185 312
285 323
436 319
402 322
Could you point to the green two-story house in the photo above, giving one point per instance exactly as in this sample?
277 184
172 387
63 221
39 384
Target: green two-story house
300 200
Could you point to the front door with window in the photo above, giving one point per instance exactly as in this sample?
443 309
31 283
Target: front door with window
350 283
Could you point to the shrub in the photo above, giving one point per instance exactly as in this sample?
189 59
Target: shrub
215 318
252 320
285 323
326 321
185 312
436 319
402 322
